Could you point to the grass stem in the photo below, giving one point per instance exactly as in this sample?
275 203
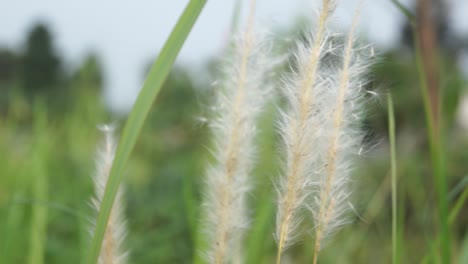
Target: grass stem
393 162
136 119
437 159
40 188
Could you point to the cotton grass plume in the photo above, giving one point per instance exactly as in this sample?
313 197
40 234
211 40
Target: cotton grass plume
112 249
300 130
342 139
240 96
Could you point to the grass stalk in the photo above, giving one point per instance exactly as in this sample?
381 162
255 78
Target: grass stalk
260 229
426 66
393 162
40 189
452 217
256 242
401 216
458 206
437 159
431 108
136 119
404 10
13 225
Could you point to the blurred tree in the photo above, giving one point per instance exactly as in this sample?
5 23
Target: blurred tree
447 39
90 72
441 46
86 86
9 62
41 67
8 66
88 79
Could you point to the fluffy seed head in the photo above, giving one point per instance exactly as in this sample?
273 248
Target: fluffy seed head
341 139
301 129
241 94
112 251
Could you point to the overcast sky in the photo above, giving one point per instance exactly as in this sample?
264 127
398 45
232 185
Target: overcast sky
126 34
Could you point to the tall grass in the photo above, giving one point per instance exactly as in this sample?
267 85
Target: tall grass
318 130
393 164
40 186
438 166
428 68
148 93
320 135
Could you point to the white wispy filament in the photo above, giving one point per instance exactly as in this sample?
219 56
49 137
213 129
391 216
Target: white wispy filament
112 249
240 97
320 132
304 90
342 139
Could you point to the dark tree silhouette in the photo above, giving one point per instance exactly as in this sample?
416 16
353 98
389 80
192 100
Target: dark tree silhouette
439 13
8 65
40 65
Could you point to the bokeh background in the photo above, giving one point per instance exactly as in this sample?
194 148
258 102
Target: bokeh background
66 67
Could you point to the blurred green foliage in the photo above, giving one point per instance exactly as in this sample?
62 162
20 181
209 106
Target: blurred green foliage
55 137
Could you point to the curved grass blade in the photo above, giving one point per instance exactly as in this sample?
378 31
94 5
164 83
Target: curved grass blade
136 119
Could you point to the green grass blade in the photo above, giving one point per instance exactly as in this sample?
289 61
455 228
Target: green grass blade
401 216
11 229
459 188
404 10
436 146
435 142
458 206
136 119
453 215
39 189
393 162
260 230
259 238
464 251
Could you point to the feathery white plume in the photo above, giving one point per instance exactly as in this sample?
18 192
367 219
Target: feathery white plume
342 138
320 133
240 96
301 129
112 249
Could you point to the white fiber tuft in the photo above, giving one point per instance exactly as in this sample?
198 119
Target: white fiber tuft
241 95
302 129
320 131
112 251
